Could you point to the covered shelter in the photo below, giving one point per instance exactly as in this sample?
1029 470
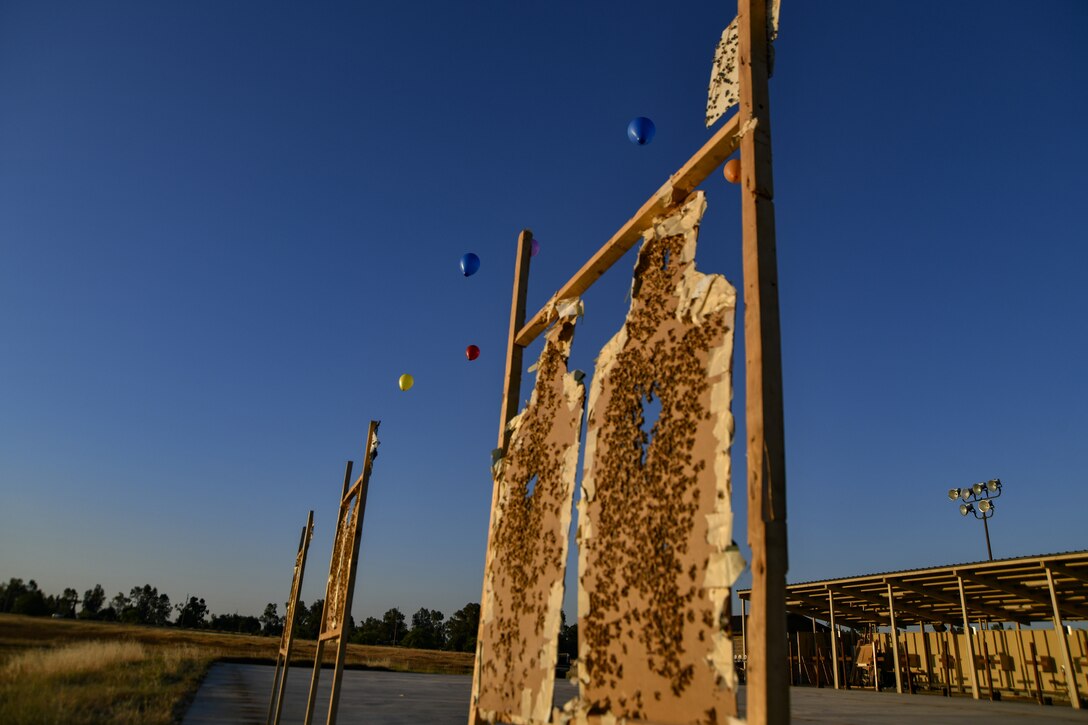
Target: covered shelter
986 613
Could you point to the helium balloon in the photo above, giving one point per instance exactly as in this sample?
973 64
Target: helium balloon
472 352
469 264
534 248
732 171
641 131
405 381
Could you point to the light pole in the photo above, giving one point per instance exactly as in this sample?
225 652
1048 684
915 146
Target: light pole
978 500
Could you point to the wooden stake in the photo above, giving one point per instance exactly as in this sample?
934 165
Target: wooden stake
279 682
768 688
511 391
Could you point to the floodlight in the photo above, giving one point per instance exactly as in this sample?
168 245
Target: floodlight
985 505
966 508
978 488
953 494
965 493
993 484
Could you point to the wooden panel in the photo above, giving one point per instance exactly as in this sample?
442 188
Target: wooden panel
655 519
521 610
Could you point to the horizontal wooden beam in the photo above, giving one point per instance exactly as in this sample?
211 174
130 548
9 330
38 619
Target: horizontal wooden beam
715 151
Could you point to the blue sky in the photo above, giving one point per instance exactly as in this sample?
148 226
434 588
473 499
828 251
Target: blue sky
226 229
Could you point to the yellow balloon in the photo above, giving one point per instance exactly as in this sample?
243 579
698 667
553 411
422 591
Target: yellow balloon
406 381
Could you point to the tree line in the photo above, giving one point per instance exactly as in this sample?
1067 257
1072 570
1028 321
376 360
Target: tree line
429 628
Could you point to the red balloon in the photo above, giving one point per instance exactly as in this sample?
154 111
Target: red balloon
472 352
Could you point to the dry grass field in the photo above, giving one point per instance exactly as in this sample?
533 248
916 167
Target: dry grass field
69 671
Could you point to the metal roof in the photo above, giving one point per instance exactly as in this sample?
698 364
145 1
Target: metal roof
1003 590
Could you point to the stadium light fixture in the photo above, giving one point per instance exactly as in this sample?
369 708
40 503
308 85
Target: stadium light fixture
977 499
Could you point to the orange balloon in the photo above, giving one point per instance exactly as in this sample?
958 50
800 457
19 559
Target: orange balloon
732 171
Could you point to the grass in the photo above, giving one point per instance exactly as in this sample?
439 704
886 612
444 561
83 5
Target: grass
70 671
100 681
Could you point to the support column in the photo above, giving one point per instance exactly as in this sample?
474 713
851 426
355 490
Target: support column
926 654
768 685
1070 672
895 642
834 637
970 642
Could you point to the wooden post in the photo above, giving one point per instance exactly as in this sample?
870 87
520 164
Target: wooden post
768 686
744 636
895 642
340 588
986 660
279 682
360 510
834 637
945 665
927 655
1038 678
1023 658
970 643
1070 672
511 391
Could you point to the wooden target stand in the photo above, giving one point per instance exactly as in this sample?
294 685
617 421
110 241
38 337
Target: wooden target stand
287 638
341 583
750 131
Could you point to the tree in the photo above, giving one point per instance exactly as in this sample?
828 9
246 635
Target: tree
308 620
14 589
66 604
462 627
31 602
271 622
428 630
93 599
147 606
192 613
393 621
568 637
371 631
236 623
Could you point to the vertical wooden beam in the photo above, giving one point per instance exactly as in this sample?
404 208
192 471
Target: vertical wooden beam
768 686
1070 671
834 637
511 391
279 683
353 566
927 654
970 642
986 660
895 641
744 636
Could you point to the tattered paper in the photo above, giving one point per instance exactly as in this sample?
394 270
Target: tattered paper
724 90
655 520
527 552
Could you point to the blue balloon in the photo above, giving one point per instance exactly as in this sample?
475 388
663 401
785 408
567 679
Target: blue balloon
469 264
641 131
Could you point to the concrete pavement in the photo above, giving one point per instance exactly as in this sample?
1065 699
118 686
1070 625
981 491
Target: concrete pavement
236 693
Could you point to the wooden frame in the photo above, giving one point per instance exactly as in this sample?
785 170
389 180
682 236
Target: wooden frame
749 129
287 637
341 583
